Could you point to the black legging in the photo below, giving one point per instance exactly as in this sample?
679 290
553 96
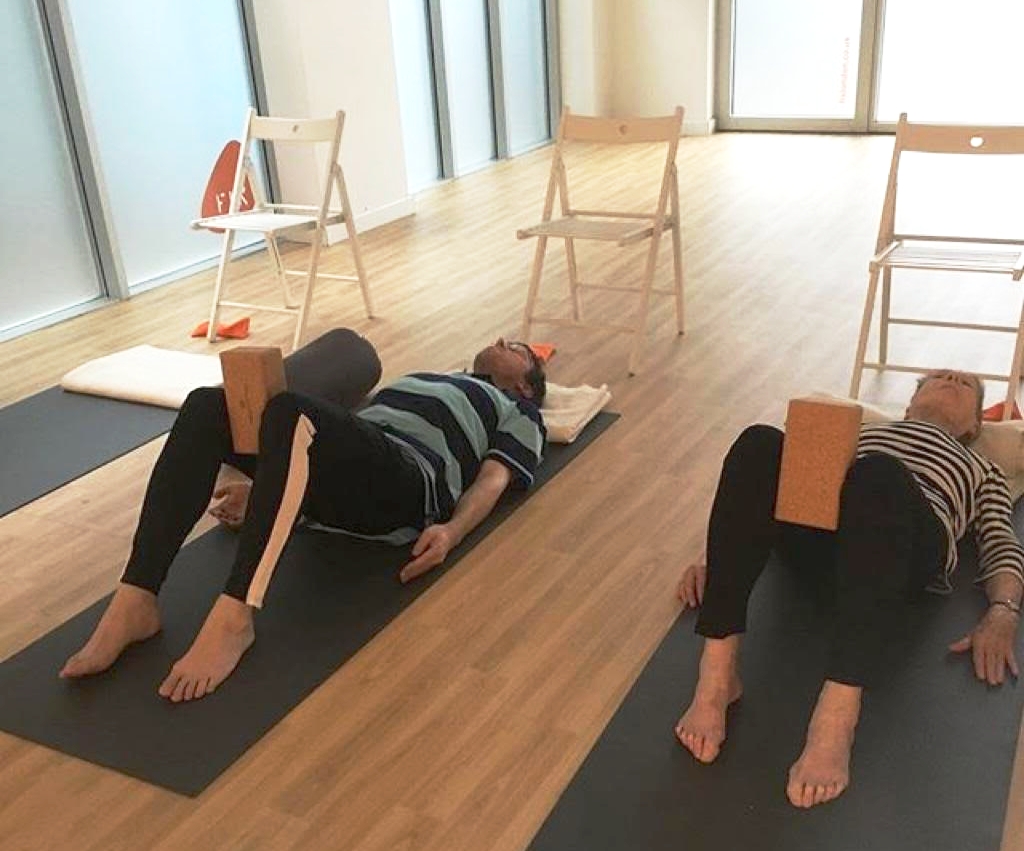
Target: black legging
889 545
342 470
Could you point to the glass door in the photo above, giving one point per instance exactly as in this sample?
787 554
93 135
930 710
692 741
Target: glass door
793 64
946 61
855 65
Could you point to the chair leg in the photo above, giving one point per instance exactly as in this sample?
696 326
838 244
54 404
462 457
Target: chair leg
218 287
640 330
534 287
574 281
282 278
865 327
307 296
1013 384
353 238
357 259
677 256
883 322
677 270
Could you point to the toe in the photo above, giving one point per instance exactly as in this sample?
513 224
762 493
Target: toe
807 795
820 794
178 694
168 685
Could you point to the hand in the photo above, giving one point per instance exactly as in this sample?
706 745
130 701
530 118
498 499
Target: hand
231 503
991 643
429 551
691 584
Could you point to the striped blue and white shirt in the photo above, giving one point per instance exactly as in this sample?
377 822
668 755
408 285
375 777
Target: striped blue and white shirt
967 492
449 424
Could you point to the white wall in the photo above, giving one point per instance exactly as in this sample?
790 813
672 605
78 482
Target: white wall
585 55
319 56
639 57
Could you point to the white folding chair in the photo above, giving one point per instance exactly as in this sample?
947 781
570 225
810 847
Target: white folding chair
271 220
940 253
618 228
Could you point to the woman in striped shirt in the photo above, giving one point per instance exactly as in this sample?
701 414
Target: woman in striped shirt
914 490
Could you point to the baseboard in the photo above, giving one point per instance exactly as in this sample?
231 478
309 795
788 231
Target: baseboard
699 128
365 221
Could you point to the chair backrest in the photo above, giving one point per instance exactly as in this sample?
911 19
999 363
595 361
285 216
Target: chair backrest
941 139
622 131
296 129
300 130
613 131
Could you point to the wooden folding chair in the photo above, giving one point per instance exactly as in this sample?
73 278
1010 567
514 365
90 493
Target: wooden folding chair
940 253
618 228
271 220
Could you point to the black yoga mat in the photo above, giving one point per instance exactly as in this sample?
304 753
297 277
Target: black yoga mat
931 766
52 438
329 596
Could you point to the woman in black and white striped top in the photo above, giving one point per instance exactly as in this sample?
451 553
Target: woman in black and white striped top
914 490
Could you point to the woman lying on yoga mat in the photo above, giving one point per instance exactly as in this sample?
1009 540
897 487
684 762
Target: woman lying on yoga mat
425 461
913 491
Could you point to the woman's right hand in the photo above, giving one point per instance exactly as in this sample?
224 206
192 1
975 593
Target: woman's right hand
691 584
231 501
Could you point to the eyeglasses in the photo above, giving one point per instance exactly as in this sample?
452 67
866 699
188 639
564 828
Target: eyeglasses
531 356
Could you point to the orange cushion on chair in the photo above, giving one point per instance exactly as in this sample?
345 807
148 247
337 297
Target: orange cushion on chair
995 413
217 197
237 330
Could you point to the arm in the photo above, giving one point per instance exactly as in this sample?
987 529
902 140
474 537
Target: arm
474 505
1001 573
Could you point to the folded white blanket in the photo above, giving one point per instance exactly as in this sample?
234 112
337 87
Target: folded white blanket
145 374
567 410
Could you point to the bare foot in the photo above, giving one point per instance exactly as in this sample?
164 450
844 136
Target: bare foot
223 639
131 616
701 730
823 770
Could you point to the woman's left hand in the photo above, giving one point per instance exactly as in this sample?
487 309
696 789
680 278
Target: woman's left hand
991 644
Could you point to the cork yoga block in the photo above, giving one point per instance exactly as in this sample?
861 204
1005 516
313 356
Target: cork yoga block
253 375
818 449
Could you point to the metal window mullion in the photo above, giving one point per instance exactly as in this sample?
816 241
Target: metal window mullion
554 70
258 88
724 42
81 145
440 78
500 122
867 64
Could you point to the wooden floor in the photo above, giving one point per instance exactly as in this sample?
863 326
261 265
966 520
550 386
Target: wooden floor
457 728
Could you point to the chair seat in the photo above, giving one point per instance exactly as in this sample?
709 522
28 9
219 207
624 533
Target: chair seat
622 231
970 257
263 221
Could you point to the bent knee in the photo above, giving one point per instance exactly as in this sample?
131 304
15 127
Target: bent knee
279 417
875 469
756 444
203 406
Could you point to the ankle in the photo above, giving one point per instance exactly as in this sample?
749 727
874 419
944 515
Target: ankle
838 707
233 614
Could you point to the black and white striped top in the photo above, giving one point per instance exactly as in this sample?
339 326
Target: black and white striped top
967 492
